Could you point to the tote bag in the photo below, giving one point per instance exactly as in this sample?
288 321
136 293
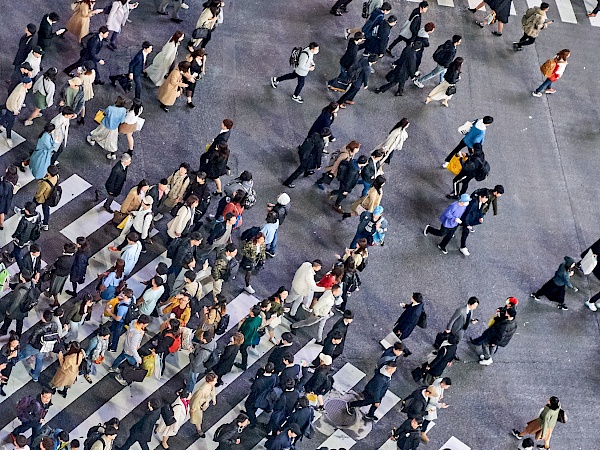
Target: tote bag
589 262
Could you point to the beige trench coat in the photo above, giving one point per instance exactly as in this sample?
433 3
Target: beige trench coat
68 369
171 88
200 401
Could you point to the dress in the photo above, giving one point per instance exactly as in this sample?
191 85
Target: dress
180 410
129 125
162 63
88 84
79 23
439 92
169 91
69 368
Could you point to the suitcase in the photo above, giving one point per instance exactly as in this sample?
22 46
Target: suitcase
133 373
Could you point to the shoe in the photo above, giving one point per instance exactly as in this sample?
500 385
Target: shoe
120 380
9 142
45 227
445 165
338 208
162 13
81 121
371 417
297 99
335 13
444 251
63 393
464 251
418 84
185 6
90 141
217 194
377 91
550 91
269 254
496 33
425 230
176 20
349 409
111 156
473 10
486 362
113 249
201 435
115 370
190 105
290 185
479 24
563 307
320 186
536 94
164 108
320 408
542 446
445 103
319 342
35 380
157 217
591 305
451 197
515 46
250 290
398 94
346 33
240 366
28 122
346 215
100 82
274 82
533 296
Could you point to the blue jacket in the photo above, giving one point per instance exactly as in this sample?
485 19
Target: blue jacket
451 213
562 277
40 158
377 387
375 19
474 135
113 117
136 66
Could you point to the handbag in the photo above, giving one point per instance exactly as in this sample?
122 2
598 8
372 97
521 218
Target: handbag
589 262
562 416
118 217
47 275
200 33
466 127
490 18
455 165
422 322
451 90
139 123
99 116
123 223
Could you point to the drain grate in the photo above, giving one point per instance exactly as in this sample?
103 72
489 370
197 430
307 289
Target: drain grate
337 414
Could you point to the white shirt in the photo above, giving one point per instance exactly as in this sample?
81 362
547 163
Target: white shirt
323 306
304 280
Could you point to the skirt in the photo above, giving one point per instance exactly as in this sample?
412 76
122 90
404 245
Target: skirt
552 292
105 138
127 128
40 101
57 284
439 92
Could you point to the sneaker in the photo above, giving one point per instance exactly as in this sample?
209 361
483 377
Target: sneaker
249 290
111 156
481 357
486 362
346 33
389 52
591 305
320 186
114 370
371 417
185 6
536 94
465 251
563 307
425 230
418 84
274 82
533 296
45 227
89 140
297 99
28 122
120 380
9 142
35 380
496 33
157 217
550 91
269 254
445 165
516 434
444 251
17 210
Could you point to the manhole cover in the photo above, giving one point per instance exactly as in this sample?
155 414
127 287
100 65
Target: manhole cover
337 414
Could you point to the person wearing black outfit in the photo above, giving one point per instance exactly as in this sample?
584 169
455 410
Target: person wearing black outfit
200 189
423 37
325 120
339 7
408 435
409 318
141 431
410 29
47 327
159 193
21 71
61 269
472 216
378 42
332 346
374 391
357 43
402 69
28 231
302 416
442 56
351 282
26 44
292 371
32 261
223 136
45 33
12 303
35 414
116 180
349 172
229 435
310 154
443 91
359 76
227 359
280 350
137 66
182 248
392 354
284 440
90 54
164 340
321 382
284 406
262 385
368 174
470 168
498 335
340 326
417 403
445 356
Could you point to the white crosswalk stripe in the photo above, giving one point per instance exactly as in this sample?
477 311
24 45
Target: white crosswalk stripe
90 222
16 138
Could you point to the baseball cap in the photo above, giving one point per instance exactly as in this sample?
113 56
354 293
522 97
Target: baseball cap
378 210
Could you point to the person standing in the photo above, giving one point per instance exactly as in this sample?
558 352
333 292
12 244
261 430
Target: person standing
178 183
370 224
248 327
403 68
228 356
476 134
410 28
472 216
321 382
409 318
554 289
451 219
200 401
553 69
447 88
310 154
8 358
40 159
253 259
141 431
177 4
16 303
79 23
534 21
542 426
26 44
442 56
116 180
171 88
117 18
9 185
32 418
133 338
374 391
165 59
107 133
498 335
45 31
12 108
223 136
462 318
61 269
302 67
349 174
45 186
62 122
262 385
280 208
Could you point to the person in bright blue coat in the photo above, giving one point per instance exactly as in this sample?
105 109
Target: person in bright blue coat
451 219
475 135
41 156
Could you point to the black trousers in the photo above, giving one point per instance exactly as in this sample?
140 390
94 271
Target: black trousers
462 180
457 149
400 84
132 439
244 353
303 168
525 40
365 402
6 326
397 41
340 4
464 235
448 233
349 94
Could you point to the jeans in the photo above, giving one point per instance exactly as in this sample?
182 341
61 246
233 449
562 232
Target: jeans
547 84
441 70
122 357
39 360
340 196
35 426
46 212
443 231
113 38
191 380
366 187
313 320
272 246
7 120
291 76
115 333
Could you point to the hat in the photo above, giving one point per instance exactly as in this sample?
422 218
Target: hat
37 49
26 80
283 199
75 81
26 66
378 210
31 28
325 359
464 198
148 200
513 301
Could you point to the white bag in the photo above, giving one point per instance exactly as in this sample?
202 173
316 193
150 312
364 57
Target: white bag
157 367
466 127
589 262
140 123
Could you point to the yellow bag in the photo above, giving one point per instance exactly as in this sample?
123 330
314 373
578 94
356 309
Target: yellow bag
110 306
455 165
207 147
311 397
148 363
123 222
99 116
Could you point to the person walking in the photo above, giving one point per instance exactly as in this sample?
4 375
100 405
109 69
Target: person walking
89 55
115 182
410 28
79 23
248 327
32 418
12 108
321 311
371 170
408 435
46 30
553 69
554 289
165 59
201 400
359 77
442 56
106 134
8 358
473 166
330 172
443 358
27 232
371 223
264 382
500 13
447 88
534 21
451 219
374 391
498 335
281 208
474 135
79 312
325 120
462 318
349 174
137 67
60 270
43 334
253 258
177 4
310 154
214 164
394 141
303 284
15 304
228 356
370 201
141 431
301 67
321 382
131 123
45 188
357 43
171 88
43 94
117 18
377 43
68 369
410 317
543 426
403 68
26 43
472 216
207 22
9 185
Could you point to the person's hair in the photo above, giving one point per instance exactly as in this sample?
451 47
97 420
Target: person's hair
269 367
512 312
210 377
379 182
51 73
544 6
196 236
417 297
272 217
245 176
190 275
125 157
290 383
288 356
429 27
257 237
103 29
313 45
330 108
47 315
499 189
63 436
353 145
238 338
359 35
239 196
120 102
228 123
199 52
472 301
48 128
176 36
335 287
27 275
200 175
447 381
84 246
136 106
402 124
69 247
303 402
222 150
423 4
191 200
399 346
317 262
184 66
337 334
417 45
103 330
208 335
391 19
114 422
377 153
457 63
154 403
554 403
278 293
142 184
391 363
110 430
21 440
47 443
187 260
127 292
30 208
133 236
143 319
52 171
86 298
325 132
45 389
255 310
487 120
348 314
456 38
528 442
119 267
59 312
53 17
146 45
158 281
563 54
229 248
361 246
362 159
338 272
385 6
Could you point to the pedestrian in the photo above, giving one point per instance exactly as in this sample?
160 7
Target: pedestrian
12 108
133 338
281 209
310 154
107 440
228 356
183 220
321 311
35 61
472 217
435 403
197 61
349 174
499 14
339 7
178 183
371 171
392 354
269 229
165 59
32 417
26 43
377 12
492 197
27 232
423 37
359 76
462 318
141 431
177 4
79 312
230 433
88 78
46 32
410 28
334 342
447 88
150 297
264 382
403 68
374 391
377 43
223 136
357 43
248 327
280 350
214 164
206 22
475 134
498 335
68 369
111 280
131 252
118 16
553 69
253 258
325 120
442 56
370 201
140 221
534 21
330 172
394 141
159 193
15 304
9 185
443 358
60 270
285 439
200 357
303 284
554 289
200 401
38 346
302 66
132 123
107 133
543 426
62 123
137 67
8 358
89 54
171 88
43 94
321 381
79 23
451 219
303 416
410 317
408 435
45 188
116 180
370 225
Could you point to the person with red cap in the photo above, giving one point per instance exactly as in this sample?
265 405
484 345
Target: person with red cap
499 316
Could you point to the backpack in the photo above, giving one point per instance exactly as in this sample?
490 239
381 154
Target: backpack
175 346
45 431
439 54
94 434
250 233
343 170
172 248
529 16
365 9
85 40
295 56
54 196
548 67
31 299
223 324
36 231
213 359
26 408
4 275
133 312
168 414
250 199
483 172
219 433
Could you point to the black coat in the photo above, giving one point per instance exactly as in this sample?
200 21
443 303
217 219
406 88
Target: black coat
213 165
416 404
229 435
319 383
27 264
377 387
369 172
378 43
202 191
26 43
407 321
340 326
293 372
276 356
116 179
261 386
473 164
79 267
406 66
349 178
283 408
6 196
444 356
302 417
221 137
360 72
349 57
325 120
452 75
311 151
153 192
407 438
226 361
136 65
501 332
144 427
45 32
62 265
473 213
91 51
13 300
22 234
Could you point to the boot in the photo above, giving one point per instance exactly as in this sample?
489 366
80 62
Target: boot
63 393
2 393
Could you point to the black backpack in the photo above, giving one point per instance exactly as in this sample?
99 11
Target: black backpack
440 54
94 434
295 56
223 324
133 312
343 168
54 196
250 233
36 231
219 433
31 299
483 172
